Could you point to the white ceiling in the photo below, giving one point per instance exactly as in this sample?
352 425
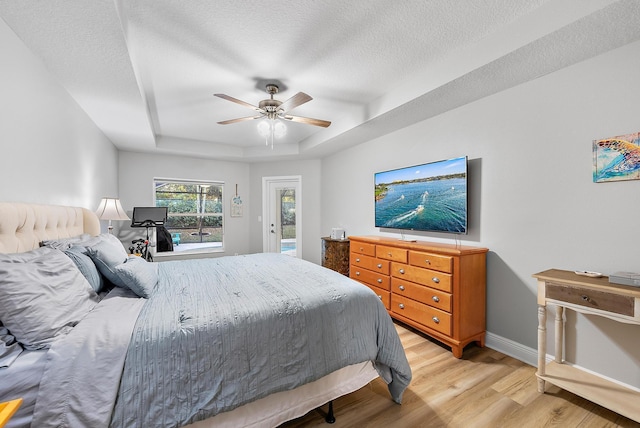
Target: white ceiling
145 71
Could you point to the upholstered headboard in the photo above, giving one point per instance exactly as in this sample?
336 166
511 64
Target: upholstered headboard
24 226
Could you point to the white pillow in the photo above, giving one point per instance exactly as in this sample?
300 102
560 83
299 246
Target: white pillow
42 295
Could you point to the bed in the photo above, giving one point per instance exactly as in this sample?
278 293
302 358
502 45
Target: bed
90 336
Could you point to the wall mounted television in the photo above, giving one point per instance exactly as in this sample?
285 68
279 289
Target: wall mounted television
428 197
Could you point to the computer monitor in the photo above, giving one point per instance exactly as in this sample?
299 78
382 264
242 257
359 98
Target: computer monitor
148 216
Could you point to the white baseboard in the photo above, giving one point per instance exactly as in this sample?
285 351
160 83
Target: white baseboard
512 349
530 356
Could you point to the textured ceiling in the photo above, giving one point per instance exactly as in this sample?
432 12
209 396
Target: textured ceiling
145 71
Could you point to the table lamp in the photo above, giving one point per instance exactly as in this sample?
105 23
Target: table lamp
111 209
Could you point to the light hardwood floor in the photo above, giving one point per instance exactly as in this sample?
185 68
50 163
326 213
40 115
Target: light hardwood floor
483 389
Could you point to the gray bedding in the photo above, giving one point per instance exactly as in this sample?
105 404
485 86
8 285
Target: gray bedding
83 368
218 333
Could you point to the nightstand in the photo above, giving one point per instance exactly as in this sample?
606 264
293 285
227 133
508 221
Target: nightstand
335 254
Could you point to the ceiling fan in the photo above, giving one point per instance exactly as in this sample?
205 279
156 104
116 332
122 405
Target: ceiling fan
275 109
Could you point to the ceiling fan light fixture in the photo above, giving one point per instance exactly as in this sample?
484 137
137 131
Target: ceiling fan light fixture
270 110
279 129
271 129
264 129
267 126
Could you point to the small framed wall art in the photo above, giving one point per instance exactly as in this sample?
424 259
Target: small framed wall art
236 205
616 158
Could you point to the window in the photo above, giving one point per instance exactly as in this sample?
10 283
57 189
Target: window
195 213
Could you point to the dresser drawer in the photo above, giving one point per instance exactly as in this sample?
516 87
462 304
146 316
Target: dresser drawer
431 261
371 263
383 295
421 313
430 278
372 278
590 298
363 248
391 253
428 296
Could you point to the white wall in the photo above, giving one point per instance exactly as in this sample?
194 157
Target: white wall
137 171
532 199
50 151
309 170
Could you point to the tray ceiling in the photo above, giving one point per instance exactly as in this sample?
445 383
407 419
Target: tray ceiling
145 71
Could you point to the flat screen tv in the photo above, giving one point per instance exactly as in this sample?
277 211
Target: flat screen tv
428 197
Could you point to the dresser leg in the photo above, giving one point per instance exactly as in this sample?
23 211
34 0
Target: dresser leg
457 351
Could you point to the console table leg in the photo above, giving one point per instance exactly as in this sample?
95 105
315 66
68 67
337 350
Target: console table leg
542 344
559 334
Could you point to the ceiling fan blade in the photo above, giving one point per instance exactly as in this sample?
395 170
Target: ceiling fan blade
240 119
308 121
237 101
295 101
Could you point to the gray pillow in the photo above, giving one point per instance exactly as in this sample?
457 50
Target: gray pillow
86 266
9 347
138 275
42 295
64 243
108 253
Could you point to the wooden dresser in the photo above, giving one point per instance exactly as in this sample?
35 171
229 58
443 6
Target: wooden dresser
439 289
335 254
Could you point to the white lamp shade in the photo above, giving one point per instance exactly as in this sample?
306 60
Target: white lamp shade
111 209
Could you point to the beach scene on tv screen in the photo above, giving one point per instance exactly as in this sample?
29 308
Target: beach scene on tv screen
431 197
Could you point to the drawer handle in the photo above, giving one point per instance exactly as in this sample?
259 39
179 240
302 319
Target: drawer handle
427 261
436 280
361 249
389 254
401 287
435 299
379 265
379 280
586 298
379 297
358 260
401 271
401 306
436 320
357 273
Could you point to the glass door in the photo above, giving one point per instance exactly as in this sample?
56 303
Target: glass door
282 215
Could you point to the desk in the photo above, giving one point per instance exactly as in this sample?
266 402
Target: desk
587 295
7 409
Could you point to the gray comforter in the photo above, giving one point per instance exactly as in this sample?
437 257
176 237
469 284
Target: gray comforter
219 333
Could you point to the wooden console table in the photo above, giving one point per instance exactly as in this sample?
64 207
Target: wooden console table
596 296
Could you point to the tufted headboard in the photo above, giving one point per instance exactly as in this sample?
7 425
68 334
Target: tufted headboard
24 226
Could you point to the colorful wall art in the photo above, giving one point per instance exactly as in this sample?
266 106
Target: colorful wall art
616 158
